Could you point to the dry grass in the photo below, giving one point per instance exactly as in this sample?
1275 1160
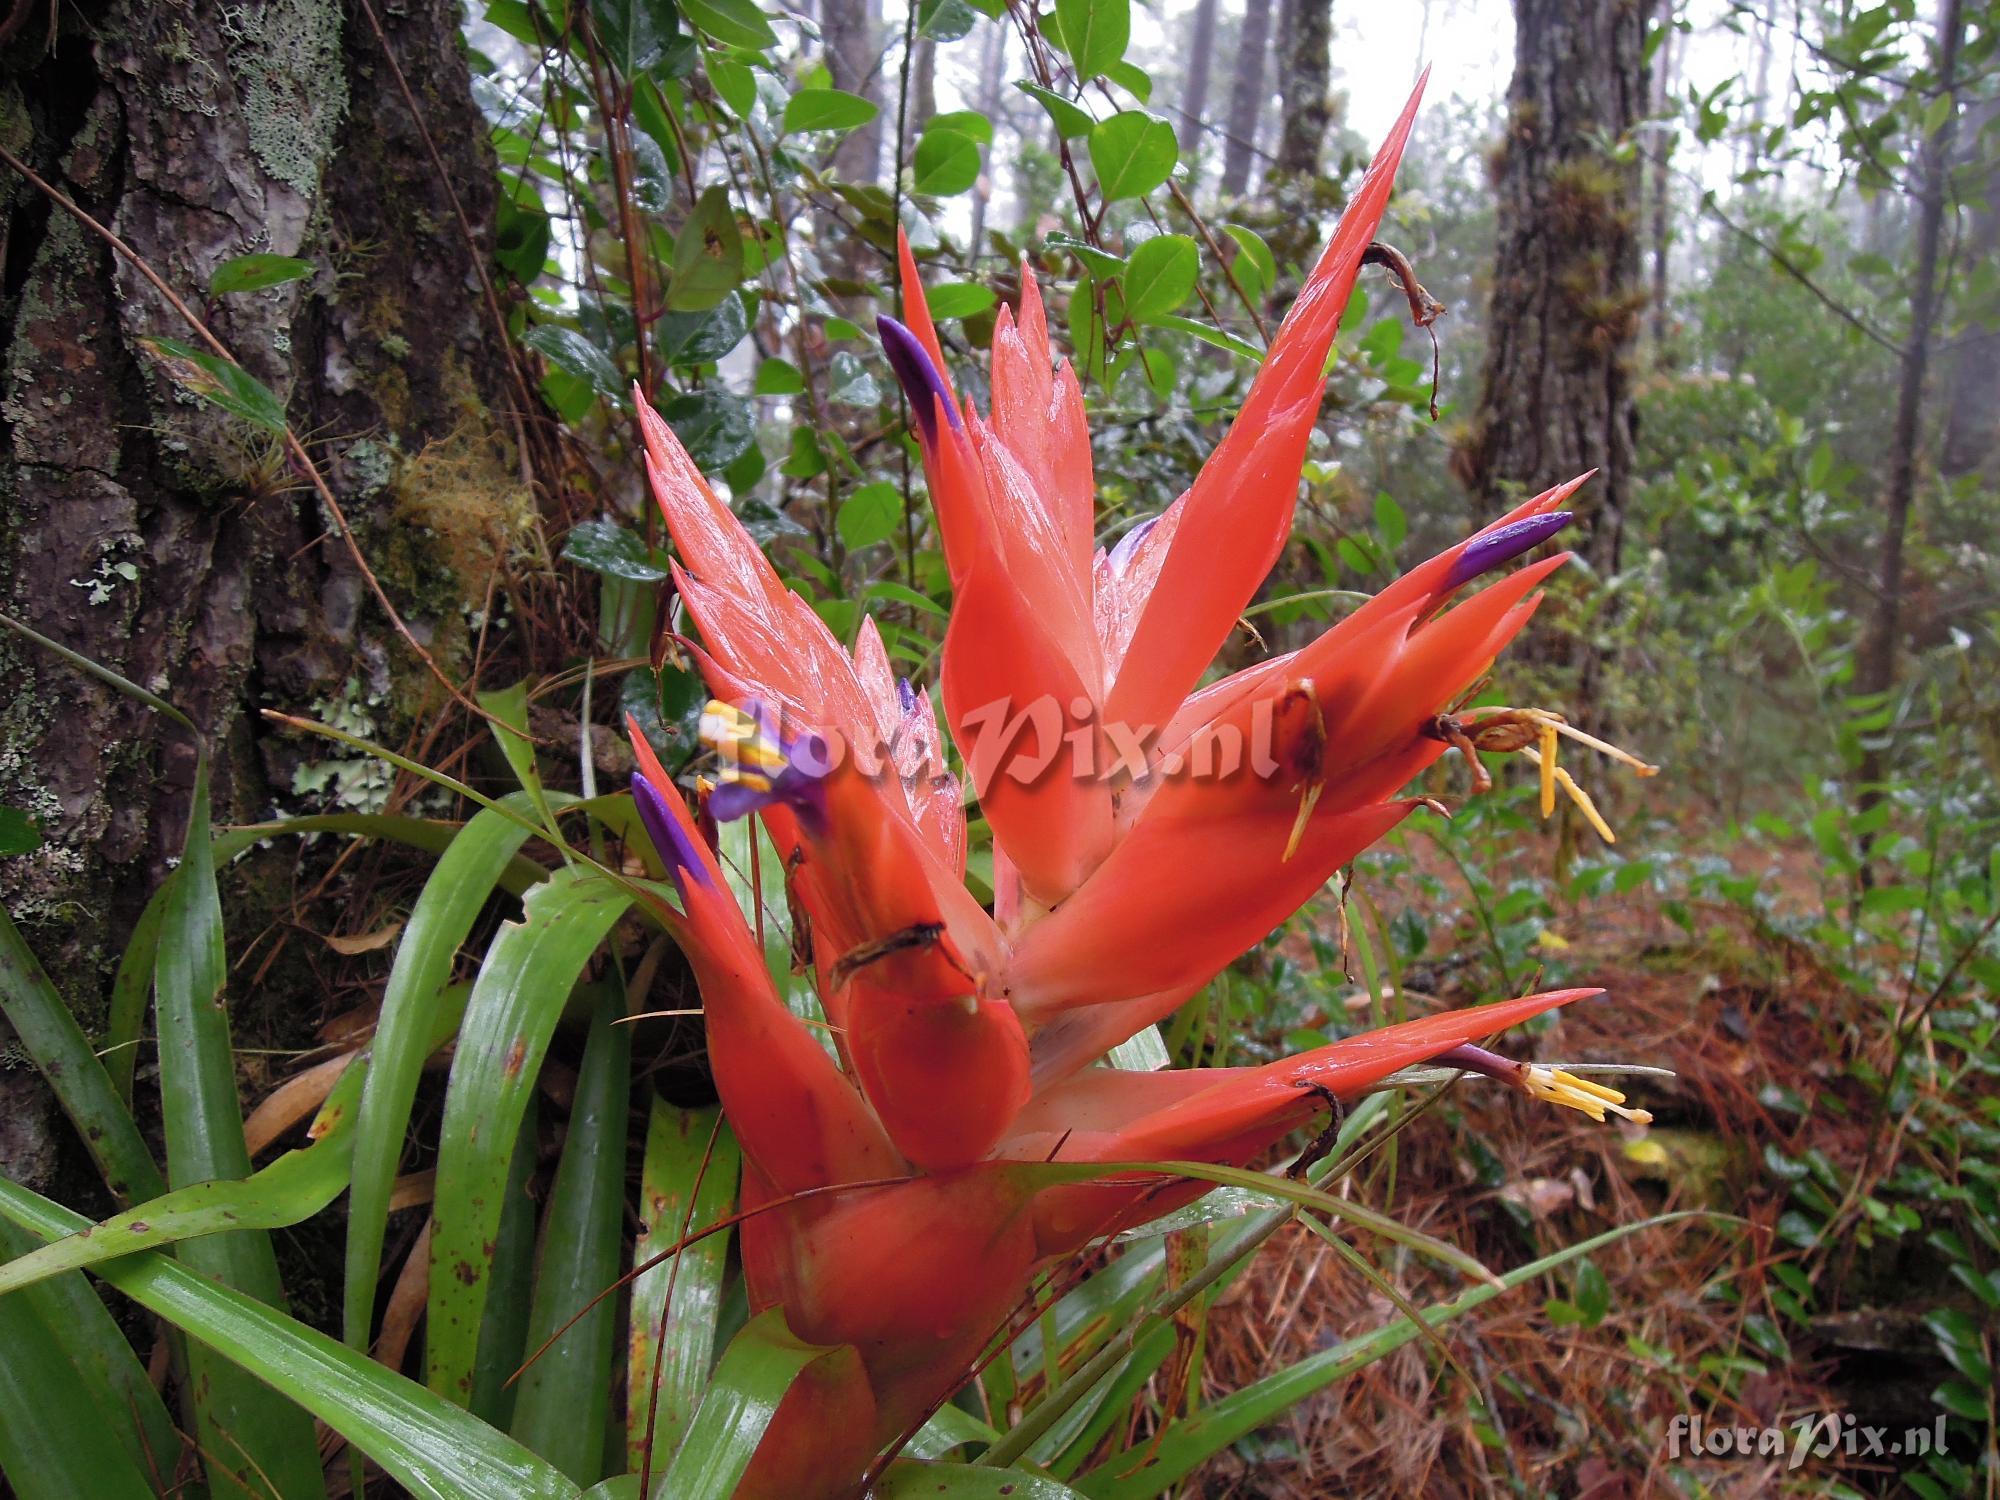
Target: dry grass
1553 1408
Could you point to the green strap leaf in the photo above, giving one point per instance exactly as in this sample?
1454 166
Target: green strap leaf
685 1185
503 1334
459 887
292 1189
757 1370
565 1397
118 1397
918 1479
52 1442
133 985
261 1442
425 1443
529 972
949 1427
1107 1404
48 1029
509 707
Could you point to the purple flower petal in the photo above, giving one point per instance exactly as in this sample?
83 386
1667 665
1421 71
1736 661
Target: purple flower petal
682 859
1127 546
906 696
730 800
1485 553
918 376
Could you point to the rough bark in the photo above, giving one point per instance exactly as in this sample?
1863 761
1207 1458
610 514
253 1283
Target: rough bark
1247 93
1567 292
1194 98
168 540
1304 73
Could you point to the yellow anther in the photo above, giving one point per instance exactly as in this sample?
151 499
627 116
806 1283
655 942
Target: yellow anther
1554 775
1537 734
747 755
1559 1086
1547 759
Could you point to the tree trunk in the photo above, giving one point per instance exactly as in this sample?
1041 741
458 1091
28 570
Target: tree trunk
1567 292
923 86
1972 420
1760 88
1666 127
1304 72
1194 101
1246 98
992 70
1875 672
852 30
171 541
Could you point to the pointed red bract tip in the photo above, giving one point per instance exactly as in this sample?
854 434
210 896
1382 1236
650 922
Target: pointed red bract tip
917 311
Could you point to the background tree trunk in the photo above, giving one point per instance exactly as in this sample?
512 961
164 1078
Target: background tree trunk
923 86
852 30
1304 73
1972 416
169 540
992 73
1194 100
1667 125
1246 98
1567 293
1875 671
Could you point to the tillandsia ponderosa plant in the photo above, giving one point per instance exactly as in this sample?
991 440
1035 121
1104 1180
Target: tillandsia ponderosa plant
1147 831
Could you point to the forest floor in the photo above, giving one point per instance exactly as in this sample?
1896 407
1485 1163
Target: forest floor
1576 1384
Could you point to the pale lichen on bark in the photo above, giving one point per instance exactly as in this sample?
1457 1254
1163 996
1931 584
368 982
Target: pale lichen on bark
161 536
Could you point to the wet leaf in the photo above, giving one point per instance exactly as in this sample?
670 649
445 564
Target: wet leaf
253 273
827 109
1133 153
716 427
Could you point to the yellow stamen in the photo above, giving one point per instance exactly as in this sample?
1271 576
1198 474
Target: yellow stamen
1584 805
1624 757
1509 729
1556 775
746 754
1559 1086
1548 764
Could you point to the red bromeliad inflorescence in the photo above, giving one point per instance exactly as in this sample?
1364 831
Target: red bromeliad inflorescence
1147 830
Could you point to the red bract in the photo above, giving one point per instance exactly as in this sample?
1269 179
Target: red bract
1134 857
